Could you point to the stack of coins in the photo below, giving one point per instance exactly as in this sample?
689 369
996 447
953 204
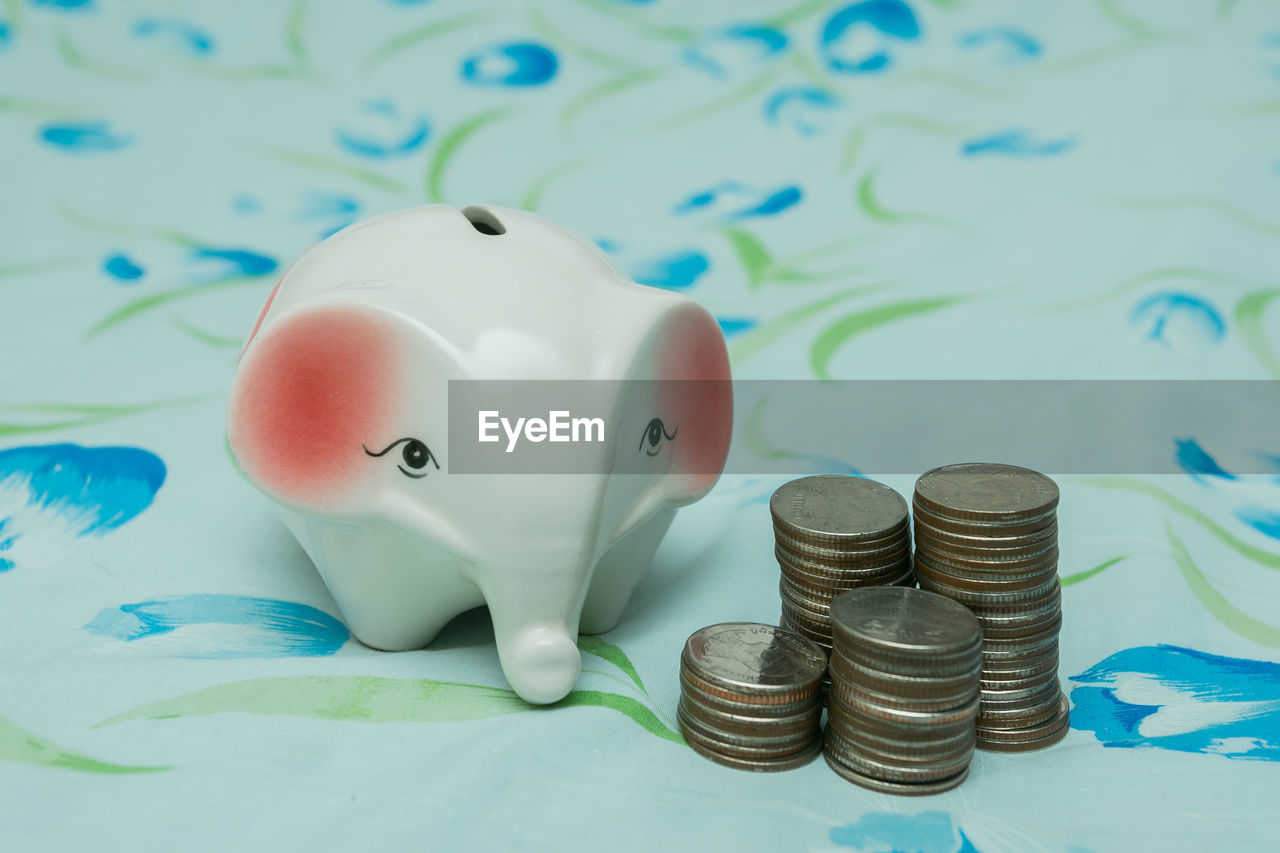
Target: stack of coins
986 536
904 690
834 533
750 696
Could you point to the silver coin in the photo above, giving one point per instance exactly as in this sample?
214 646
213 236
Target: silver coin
760 746
825 564
852 719
924 744
747 721
1033 694
772 765
767 707
903 620
986 581
992 564
837 508
994 597
856 694
847 742
771 702
951 664
892 771
825 553
985 574
754 657
921 514
986 538
903 717
884 786
992 559
911 682
1044 734
986 492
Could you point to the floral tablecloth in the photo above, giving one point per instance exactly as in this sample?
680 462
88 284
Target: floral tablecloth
876 189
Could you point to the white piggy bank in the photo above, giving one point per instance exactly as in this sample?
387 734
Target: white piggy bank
338 413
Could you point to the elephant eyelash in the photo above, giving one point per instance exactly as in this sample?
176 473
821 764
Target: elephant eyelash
384 451
413 475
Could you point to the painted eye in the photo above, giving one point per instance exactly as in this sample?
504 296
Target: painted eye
654 432
415 454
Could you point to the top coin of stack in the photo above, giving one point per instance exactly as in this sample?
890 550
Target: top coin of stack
986 535
750 696
835 533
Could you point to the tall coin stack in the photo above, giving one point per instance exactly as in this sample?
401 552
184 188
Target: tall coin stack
834 533
904 690
751 696
986 536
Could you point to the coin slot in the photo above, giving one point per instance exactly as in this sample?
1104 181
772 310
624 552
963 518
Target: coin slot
483 220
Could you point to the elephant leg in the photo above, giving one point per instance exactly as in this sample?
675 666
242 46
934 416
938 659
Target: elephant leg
618 572
395 593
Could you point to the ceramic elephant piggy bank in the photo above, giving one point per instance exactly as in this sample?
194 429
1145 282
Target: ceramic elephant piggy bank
338 414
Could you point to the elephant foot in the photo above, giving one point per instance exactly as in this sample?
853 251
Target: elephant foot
541 664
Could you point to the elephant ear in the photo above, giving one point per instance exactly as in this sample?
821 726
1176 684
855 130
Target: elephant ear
311 389
695 396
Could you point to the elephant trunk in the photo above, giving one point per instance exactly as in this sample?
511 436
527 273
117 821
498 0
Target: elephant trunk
535 600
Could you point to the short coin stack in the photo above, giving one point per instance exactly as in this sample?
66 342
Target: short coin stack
904 690
751 696
986 536
834 533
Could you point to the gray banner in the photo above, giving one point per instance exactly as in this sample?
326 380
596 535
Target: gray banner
874 426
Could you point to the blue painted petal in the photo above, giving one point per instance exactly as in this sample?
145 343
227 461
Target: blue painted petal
122 268
239 262
734 48
281 627
1197 462
1266 522
1178 318
737 201
92 136
1017 44
188 36
379 130
1199 717
731 326
675 271
514 64
856 38
802 108
925 832
6 34
96 489
773 204
707 197
1016 143
65 5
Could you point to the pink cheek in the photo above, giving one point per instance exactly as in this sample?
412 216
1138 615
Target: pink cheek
703 409
315 391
